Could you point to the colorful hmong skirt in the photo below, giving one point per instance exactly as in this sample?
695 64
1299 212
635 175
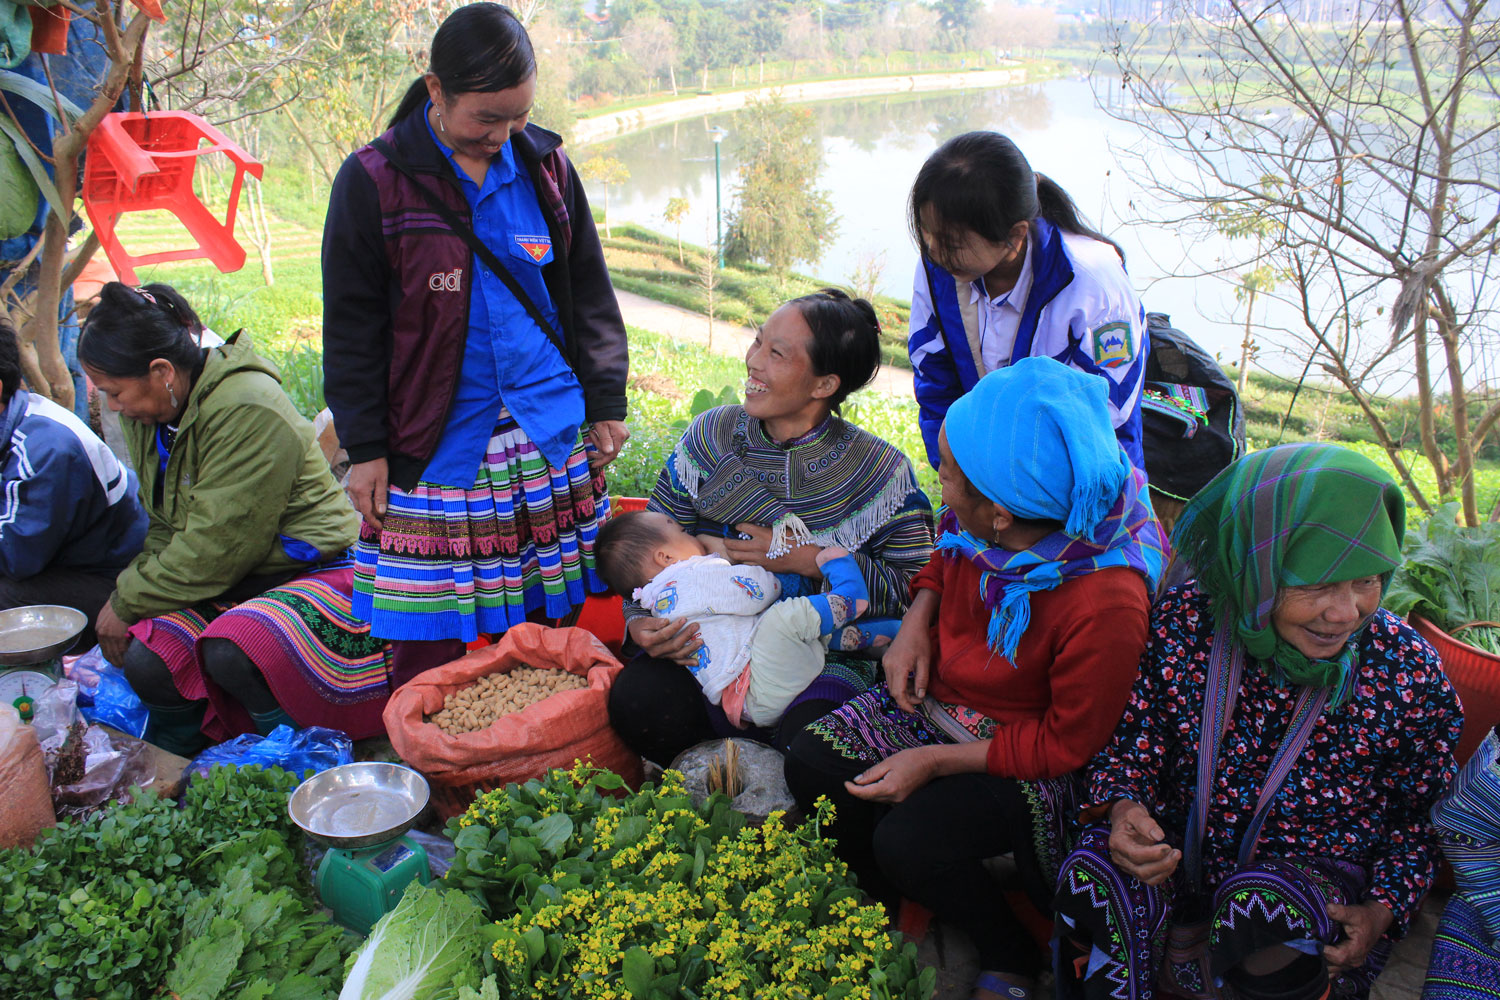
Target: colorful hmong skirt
320 661
1116 932
452 563
872 727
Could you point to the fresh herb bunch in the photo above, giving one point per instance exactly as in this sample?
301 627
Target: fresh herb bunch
648 897
96 907
229 802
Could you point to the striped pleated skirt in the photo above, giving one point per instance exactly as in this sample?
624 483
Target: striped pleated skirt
318 659
452 563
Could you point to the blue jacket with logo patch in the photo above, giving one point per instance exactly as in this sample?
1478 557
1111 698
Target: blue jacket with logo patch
1080 309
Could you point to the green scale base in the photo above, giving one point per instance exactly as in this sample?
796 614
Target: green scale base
363 884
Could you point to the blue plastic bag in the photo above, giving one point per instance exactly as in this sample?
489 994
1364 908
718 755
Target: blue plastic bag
296 750
105 696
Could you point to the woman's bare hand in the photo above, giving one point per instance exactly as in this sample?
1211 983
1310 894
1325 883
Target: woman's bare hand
368 488
673 639
1137 844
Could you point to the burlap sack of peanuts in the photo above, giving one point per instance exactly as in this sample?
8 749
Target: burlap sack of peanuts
520 746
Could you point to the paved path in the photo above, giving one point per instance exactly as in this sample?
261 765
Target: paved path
730 339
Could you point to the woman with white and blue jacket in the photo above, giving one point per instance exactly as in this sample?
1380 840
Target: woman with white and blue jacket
1008 271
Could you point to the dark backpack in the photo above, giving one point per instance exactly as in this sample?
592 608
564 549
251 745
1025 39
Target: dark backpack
1191 422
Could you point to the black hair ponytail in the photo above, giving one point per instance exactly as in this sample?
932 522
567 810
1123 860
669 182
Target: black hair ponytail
845 339
481 47
1058 208
131 327
983 183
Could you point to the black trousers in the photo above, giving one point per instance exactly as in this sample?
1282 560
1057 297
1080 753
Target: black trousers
72 588
659 711
930 848
225 664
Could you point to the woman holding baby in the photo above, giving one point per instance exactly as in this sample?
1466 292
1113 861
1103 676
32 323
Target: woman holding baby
772 483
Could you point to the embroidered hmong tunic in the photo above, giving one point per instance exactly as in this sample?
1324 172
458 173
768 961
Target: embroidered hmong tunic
1350 823
837 485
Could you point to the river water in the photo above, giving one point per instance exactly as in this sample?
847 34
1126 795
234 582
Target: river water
872 150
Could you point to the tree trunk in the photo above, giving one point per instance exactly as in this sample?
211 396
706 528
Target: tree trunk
1246 346
1426 404
39 335
606 212
672 72
1448 331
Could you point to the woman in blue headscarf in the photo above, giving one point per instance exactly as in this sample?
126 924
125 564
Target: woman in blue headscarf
1010 669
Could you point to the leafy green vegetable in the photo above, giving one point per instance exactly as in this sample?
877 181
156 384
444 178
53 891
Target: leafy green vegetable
1451 577
253 934
648 896
429 947
229 802
96 907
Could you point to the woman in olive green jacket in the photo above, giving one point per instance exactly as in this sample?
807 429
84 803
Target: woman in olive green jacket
235 616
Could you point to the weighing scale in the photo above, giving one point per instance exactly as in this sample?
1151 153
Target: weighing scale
362 811
32 642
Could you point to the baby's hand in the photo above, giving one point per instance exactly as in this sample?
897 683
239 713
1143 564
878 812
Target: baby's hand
714 545
829 554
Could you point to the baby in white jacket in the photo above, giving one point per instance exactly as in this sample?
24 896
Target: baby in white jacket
758 654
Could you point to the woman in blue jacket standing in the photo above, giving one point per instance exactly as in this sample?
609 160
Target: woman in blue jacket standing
1008 271
474 354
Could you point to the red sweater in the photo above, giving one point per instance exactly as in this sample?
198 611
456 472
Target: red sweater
1077 661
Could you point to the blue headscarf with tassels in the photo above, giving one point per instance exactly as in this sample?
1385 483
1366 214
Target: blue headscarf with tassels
1036 438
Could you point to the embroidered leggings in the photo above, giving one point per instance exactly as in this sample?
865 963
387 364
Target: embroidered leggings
1113 930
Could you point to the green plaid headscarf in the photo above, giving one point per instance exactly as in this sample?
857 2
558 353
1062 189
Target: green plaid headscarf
1292 516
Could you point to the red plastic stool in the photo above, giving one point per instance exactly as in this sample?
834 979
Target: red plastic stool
143 162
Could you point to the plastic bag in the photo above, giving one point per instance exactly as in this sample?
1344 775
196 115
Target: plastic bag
296 750
54 711
440 851
109 770
105 696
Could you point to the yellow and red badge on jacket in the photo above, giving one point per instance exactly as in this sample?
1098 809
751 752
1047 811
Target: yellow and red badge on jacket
537 249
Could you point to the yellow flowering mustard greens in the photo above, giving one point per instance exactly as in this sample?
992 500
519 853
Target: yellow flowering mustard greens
604 894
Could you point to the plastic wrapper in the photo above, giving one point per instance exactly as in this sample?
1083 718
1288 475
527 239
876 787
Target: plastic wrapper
105 696
299 751
439 850
55 710
109 771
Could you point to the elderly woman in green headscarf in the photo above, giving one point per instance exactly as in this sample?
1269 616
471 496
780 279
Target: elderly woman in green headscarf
1264 800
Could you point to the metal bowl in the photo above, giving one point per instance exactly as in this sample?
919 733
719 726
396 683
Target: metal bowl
38 633
359 804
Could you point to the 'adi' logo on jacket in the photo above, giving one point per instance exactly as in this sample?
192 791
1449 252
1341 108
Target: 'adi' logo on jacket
449 282
1112 345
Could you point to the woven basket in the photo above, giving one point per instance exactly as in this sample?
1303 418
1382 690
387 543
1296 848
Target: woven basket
1476 677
